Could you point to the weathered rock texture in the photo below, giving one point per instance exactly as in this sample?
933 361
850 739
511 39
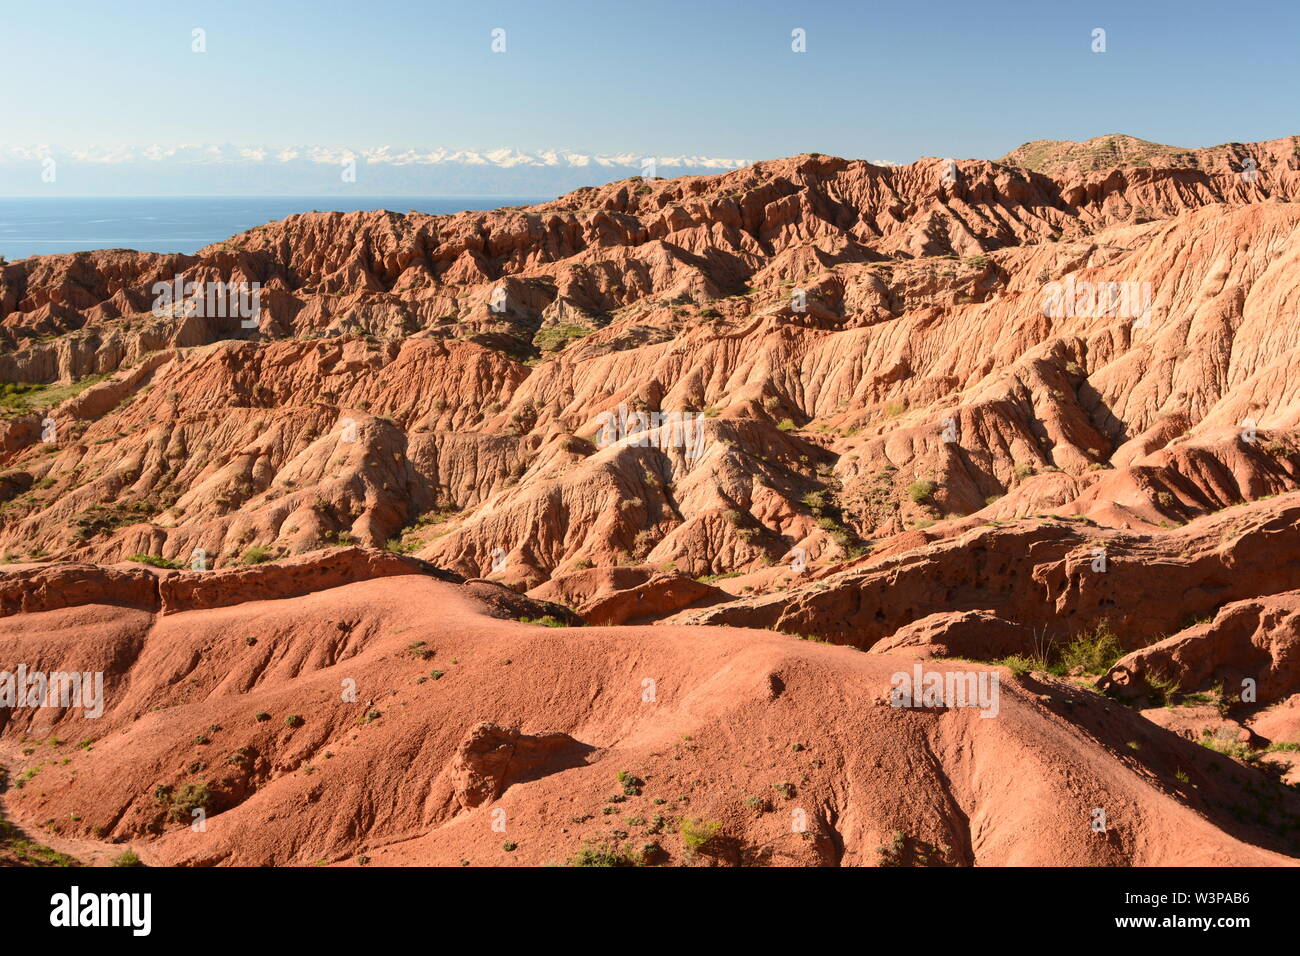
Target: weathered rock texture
929 412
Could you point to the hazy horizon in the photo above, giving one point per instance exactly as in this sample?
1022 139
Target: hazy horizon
541 99
184 224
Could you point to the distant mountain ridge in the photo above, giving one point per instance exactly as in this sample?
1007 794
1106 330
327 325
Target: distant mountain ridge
221 169
165 169
1056 156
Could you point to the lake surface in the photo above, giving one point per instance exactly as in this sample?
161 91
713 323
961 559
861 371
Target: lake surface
184 223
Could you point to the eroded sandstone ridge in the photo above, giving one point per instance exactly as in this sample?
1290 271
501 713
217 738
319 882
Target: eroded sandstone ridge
968 409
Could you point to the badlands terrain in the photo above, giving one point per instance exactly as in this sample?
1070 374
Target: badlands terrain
374 581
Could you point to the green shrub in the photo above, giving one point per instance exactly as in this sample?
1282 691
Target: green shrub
256 555
403 545
604 855
154 560
182 803
1091 653
697 835
1235 749
814 501
557 337
895 853
1019 664
920 491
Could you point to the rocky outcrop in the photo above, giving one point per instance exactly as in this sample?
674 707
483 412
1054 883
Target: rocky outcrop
848 378
47 588
973 635
194 590
887 391
621 595
1250 649
1059 577
491 758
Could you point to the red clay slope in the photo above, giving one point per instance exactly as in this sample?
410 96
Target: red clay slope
754 730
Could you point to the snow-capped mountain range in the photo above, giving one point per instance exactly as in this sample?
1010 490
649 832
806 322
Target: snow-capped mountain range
189 169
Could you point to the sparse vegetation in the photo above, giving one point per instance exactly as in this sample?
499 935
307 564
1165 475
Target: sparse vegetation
16 847
179 805
698 835
256 555
1093 653
421 650
557 337
1229 747
154 560
19 397
903 850
602 854
920 491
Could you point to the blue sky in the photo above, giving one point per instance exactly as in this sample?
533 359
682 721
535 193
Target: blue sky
888 81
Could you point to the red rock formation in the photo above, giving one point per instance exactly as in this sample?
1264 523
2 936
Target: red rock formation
1042 401
1250 647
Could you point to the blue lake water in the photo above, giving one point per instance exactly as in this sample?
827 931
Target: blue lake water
184 223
